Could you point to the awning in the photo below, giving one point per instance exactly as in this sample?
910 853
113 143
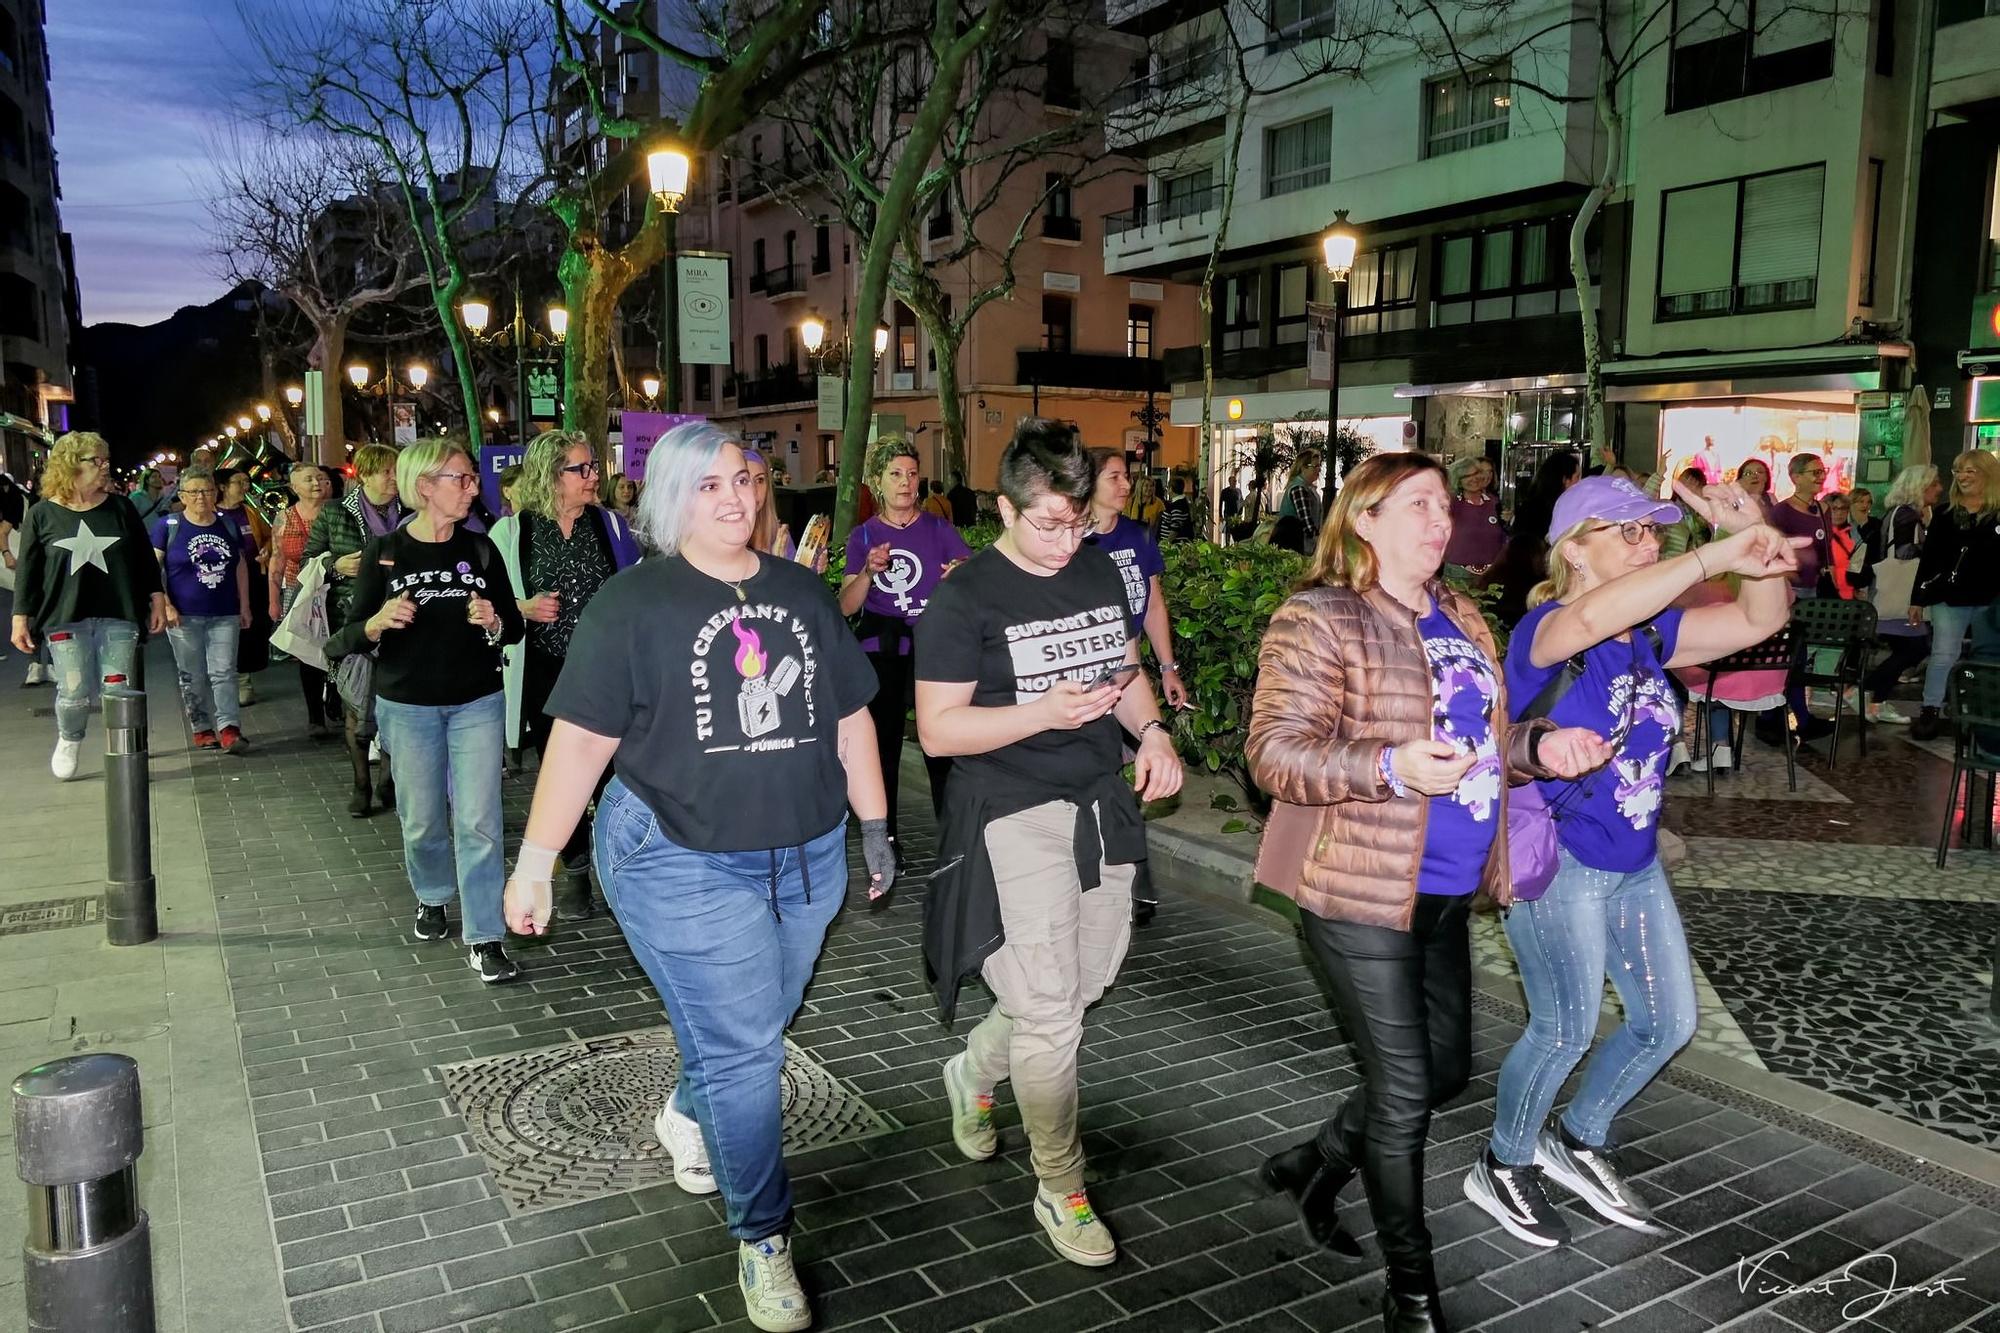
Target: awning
1492 388
1358 400
21 425
1835 368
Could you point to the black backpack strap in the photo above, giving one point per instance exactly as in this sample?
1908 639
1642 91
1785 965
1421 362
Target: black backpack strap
1551 694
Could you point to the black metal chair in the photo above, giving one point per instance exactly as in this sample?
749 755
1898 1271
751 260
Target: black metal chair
1974 695
1777 653
1833 636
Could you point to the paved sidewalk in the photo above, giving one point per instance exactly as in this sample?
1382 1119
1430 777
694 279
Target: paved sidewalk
1215 1048
64 991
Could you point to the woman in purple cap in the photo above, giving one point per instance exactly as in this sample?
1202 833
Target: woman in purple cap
894 561
1601 634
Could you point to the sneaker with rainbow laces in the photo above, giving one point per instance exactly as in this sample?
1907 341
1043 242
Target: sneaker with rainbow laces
971 1111
1074 1229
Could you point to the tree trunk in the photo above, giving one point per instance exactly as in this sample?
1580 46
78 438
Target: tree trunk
328 351
593 306
947 336
444 299
1613 123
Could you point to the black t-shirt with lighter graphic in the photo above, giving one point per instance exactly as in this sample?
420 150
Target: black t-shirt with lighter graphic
440 658
1013 634
727 711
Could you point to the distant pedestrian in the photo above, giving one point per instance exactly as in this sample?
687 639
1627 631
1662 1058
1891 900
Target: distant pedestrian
934 501
87 582
288 547
722 841
1176 523
1958 578
1478 537
443 614
1909 503
206 560
964 502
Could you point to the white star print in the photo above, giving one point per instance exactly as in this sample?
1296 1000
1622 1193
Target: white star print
86 548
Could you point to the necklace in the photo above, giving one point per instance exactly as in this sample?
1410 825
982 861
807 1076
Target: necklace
734 585
890 522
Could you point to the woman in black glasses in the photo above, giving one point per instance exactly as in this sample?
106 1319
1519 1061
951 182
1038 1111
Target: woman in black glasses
560 545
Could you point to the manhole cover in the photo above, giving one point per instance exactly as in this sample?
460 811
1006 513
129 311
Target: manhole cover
574 1122
50 914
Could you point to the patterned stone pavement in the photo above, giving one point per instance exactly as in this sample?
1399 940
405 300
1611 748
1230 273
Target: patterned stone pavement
1214 1049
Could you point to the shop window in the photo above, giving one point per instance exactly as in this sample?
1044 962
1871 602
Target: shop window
1240 314
1725 49
1741 246
1466 110
1298 156
1519 271
1382 293
1139 331
1058 322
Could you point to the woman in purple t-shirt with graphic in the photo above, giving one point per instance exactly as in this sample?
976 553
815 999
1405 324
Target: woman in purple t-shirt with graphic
1605 621
894 562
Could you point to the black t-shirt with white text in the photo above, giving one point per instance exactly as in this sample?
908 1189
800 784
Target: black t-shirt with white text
1013 635
440 659
726 711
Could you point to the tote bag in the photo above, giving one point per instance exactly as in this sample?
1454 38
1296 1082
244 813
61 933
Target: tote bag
1894 581
302 632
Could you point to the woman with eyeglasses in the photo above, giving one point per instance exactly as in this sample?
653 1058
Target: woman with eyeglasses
1603 630
442 615
560 547
87 583
206 560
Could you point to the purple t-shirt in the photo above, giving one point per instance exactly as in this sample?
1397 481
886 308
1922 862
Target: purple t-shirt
201 563
1459 829
1608 819
1794 524
1138 559
917 557
1477 535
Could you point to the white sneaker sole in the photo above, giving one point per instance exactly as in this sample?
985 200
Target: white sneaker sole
782 1321
1586 1190
698 1178
955 1091
1086 1258
1475 1190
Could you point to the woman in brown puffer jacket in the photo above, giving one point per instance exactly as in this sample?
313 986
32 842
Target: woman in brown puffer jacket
1379 728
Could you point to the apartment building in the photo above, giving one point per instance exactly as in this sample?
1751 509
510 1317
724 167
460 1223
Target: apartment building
1749 268
39 305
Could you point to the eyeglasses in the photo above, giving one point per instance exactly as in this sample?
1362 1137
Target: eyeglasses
96 460
1632 530
584 469
465 481
1074 531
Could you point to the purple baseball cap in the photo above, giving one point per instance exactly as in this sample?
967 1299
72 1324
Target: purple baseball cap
1611 500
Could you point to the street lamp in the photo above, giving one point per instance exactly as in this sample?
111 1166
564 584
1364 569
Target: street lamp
667 172
243 423
822 354
475 314
295 396
520 335
357 375
1339 246
650 386
558 322
418 375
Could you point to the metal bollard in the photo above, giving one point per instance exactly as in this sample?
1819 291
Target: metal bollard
78 1133
131 900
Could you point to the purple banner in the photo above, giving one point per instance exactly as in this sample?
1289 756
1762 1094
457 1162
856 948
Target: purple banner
642 430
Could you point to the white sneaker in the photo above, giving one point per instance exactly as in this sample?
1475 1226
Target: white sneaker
1887 715
971 1111
680 1135
1680 758
1725 758
1073 1226
63 762
773 1297
246 693
39 674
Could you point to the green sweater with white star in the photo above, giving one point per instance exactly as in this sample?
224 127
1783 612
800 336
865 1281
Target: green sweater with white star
85 564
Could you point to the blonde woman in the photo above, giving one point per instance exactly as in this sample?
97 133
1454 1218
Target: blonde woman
1909 505
1958 577
86 582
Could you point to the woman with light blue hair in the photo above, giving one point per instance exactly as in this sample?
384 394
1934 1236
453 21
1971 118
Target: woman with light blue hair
725 690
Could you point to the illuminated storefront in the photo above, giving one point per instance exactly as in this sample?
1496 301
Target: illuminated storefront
1718 438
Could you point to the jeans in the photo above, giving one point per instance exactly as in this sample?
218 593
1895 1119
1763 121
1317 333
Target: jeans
441 756
1948 626
1562 942
729 939
205 656
1064 946
88 655
1405 1000
1905 651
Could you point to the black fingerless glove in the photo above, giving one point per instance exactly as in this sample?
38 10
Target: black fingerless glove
880 854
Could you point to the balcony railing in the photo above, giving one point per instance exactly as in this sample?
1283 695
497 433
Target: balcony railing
776 386
1745 299
780 282
1176 77
1089 370
1057 228
1185 204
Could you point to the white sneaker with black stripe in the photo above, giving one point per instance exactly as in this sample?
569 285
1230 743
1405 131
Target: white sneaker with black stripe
1515 1198
680 1135
1592 1175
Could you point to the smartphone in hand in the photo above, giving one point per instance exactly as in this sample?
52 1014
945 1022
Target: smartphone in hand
1113 675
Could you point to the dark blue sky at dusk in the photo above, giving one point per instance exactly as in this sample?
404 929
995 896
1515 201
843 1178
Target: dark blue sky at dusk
139 85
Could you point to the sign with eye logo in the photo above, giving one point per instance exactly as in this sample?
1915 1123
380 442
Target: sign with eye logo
703 285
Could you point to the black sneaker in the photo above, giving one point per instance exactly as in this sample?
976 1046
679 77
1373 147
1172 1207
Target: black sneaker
492 964
1592 1175
430 923
1926 726
1516 1199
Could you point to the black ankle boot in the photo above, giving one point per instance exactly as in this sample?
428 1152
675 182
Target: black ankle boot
572 895
1314 1185
1412 1309
361 803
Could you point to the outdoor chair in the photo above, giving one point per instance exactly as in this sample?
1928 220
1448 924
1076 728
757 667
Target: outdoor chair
1974 696
1833 637
1744 697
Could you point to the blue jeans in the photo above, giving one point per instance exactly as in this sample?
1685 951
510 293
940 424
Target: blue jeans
1948 626
730 940
1562 942
205 656
449 756
88 655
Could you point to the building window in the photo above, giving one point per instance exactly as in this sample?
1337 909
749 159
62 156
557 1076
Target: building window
1517 271
1298 156
906 339
762 343
1187 195
1382 294
1240 313
1139 331
757 265
1725 49
1058 322
1056 195
1290 284
1466 110
822 249
1874 187
791 350
704 383
1296 20
1059 76
1744 245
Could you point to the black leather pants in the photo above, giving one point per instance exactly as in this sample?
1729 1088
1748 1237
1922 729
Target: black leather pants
1404 999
